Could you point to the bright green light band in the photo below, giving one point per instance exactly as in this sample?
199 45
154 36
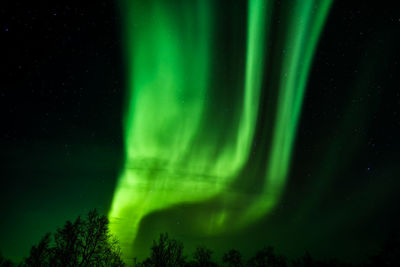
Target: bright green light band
170 51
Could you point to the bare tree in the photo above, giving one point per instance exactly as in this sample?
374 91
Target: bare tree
40 254
202 257
80 243
232 258
5 262
266 257
166 252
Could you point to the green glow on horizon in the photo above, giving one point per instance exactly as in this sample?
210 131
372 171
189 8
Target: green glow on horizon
170 49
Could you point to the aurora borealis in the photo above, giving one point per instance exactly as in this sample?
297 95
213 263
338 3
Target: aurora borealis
169 161
229 124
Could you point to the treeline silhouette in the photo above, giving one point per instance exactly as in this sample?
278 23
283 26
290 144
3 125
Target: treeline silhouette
84 242
88 242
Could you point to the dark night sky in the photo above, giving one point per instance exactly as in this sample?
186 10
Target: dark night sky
61 98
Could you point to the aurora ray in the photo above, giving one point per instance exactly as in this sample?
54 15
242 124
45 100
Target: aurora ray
171 50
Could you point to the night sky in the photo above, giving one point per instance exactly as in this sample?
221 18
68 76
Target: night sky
62 97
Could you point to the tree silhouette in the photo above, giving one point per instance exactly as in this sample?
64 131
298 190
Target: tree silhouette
232 258
304 261
87 242
389 254
40 255
166 252
307 261
202 257
267 258
80 243
5 262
